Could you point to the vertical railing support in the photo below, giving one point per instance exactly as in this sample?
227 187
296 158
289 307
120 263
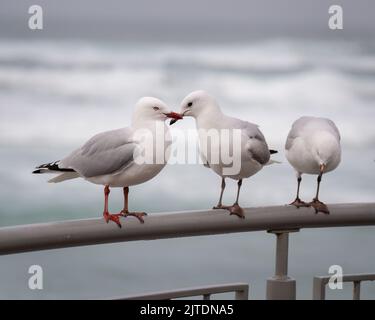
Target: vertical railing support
356 290
319 288
242 294
281 286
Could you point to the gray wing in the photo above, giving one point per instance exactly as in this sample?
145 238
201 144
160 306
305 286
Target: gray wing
204 159
301 123
296 130
259 148
334 128
105 153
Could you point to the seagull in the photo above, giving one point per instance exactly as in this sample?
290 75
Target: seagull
253 153
313 147
114 158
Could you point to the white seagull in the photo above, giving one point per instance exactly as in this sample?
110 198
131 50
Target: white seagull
313 147
253 153
110 158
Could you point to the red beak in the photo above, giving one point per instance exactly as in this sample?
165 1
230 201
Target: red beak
174 116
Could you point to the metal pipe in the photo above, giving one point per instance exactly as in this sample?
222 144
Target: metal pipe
320 283
319 288
282 243
356 290
281 286
241 289
242 293
183 224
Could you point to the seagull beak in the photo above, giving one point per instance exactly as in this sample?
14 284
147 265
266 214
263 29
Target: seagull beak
174 116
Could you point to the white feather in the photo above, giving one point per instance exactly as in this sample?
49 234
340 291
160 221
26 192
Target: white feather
64 176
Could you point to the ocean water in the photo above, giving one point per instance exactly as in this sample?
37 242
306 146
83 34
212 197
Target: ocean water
54 95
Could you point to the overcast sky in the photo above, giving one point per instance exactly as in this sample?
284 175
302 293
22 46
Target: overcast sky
186 19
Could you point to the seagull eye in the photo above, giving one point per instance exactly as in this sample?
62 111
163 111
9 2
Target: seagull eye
189 104
155 108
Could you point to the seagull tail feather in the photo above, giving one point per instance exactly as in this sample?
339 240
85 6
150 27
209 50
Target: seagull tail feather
64 176
273 161
53 167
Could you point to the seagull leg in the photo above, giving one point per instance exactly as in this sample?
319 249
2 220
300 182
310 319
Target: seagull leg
316 203
236 209
125 212
220 205
298 203
108 216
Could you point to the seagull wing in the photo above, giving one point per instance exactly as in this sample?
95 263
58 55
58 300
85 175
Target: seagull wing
258 147
204 159
296 130
299 128
105 153
334 128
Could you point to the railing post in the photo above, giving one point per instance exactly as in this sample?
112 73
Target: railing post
356 290
281 286
319 288
242 294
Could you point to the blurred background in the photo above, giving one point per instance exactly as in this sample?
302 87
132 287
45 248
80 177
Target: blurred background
268 62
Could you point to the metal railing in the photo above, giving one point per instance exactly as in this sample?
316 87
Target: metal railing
280 220
241 291
319 285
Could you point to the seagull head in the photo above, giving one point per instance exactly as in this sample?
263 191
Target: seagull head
149 108
197 103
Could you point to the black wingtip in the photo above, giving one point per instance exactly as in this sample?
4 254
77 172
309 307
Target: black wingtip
273 151
52 166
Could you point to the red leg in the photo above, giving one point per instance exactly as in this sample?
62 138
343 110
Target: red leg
125 212
108 216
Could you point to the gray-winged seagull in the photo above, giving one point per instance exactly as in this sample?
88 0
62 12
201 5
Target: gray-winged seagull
313 147
110 158
253 153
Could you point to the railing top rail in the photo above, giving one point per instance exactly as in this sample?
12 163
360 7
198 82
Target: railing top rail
72 233
190 292
350 277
